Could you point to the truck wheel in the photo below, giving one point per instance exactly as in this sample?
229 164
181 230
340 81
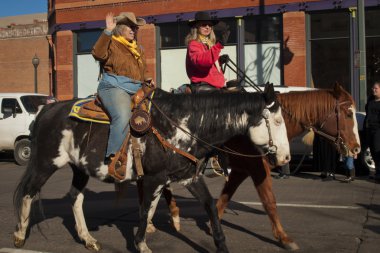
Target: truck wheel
365 163
22 152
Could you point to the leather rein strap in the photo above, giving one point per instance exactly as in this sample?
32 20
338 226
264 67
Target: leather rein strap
192 158
166 144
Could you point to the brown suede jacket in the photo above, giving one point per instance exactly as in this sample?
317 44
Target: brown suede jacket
117 59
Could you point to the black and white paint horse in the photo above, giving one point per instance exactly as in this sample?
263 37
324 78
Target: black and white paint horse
58 140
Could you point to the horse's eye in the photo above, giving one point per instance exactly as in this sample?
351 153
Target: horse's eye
278 121
350 114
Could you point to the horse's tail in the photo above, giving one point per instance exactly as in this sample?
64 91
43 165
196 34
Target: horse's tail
26 188
28 185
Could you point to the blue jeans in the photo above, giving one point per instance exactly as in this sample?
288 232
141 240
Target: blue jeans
118 105
348 162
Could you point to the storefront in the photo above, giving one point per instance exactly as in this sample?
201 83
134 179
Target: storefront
300 43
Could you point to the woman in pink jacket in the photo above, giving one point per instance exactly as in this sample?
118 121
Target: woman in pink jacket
202 65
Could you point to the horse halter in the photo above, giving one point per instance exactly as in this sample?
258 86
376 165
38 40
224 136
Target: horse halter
340 145
272 149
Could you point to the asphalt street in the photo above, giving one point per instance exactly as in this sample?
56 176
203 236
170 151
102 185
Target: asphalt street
320 216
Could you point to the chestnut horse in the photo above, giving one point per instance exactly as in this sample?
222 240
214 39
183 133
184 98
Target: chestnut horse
330 113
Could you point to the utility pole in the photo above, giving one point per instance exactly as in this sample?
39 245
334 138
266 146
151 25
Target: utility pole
362 56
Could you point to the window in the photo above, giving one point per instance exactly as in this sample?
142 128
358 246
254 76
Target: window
372 27
10 103
330 25
226 30
262 36
173 34
259 29
86 40
330 49
31 103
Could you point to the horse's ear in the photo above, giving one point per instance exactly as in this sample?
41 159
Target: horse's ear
337 90
269 94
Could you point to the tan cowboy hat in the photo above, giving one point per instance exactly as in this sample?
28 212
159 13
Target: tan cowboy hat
202 16
129 18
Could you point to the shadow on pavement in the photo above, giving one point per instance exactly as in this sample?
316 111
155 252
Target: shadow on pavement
6 157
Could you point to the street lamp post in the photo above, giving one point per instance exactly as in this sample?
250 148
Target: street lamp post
35 62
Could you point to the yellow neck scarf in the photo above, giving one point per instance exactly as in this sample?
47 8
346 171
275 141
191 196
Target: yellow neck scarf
205 40
132 46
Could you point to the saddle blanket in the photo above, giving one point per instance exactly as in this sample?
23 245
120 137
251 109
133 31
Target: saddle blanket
88 110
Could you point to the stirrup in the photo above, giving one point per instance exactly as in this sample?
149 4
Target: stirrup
216 169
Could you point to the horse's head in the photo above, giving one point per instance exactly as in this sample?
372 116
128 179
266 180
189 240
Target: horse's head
270 134
341 125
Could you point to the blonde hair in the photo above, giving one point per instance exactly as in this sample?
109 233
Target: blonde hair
193 35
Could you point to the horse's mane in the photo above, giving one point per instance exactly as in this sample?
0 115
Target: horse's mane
210 108
295 104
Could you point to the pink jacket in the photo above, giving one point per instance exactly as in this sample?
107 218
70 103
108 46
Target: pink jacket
200 64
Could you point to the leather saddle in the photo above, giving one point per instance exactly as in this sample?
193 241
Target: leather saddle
90 109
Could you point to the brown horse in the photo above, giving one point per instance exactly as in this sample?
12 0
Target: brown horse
330 113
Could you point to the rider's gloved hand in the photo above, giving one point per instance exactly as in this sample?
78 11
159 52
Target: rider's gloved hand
223 59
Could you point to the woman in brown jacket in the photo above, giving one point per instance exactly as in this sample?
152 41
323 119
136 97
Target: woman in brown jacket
123 64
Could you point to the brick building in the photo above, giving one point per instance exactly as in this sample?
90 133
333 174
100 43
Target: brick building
310 43
21 38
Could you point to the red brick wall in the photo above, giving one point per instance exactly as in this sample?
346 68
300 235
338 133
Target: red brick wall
16 68
64 75
147 39
295 40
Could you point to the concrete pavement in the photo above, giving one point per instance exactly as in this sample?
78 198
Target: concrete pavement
320 216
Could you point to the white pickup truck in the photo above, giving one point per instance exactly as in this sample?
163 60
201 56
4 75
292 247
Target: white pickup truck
18 111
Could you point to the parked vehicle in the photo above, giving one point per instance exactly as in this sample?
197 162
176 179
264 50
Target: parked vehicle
18 111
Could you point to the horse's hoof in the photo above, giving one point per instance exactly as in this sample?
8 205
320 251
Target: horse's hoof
222 249
291 246
142 247
176 226
94 246
175 221
150 228
18 242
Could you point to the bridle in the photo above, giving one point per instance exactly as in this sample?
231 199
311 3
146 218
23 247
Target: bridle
338 141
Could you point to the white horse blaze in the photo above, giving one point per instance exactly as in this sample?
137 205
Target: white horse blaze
260 136
356 128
